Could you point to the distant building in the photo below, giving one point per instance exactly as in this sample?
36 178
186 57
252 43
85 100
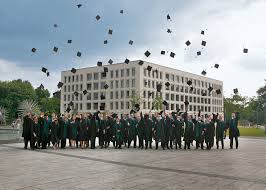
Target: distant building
126 79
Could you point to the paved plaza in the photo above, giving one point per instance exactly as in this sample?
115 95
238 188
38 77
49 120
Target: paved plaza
111 168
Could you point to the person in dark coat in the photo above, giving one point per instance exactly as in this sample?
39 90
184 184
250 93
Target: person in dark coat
64 125
147 131
233 131
160 131
36 133
93 129
220 128
55 129
132 133
109 131
167 130
119 134
140 128
73 132
83 133
27 130
177 130
188 131
102 128
44 129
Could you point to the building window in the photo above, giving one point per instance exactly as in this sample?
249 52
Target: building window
111 106
73 88
89 76
88 86
68 97
102 85
81 97
116 106
95 86
172 106
122 94
133 82
167 96
64 97
122 83
95 76
112 74
95 96
77 78
88 106
173 77
65 79
116 95
77 87
161 75
89 96
81 78
182 98
116 73
167 76
112 84
64 88
127 94
144 94
122 72
128 72
80 106
144 71
95 106
127 83
144 105
177 106
172 97
177 97
122 105
111 95
127 105
73 78
117 84
133 71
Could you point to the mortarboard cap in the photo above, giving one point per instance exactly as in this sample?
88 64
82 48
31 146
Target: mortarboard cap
79 5
55 49
99 64
141 62
191 89
168 17
159 87
76 93
204 93
160 113
165 103
216 66
199 53
162 52
47 74
218 91
102 107
68 109
167 84
110 61
73 70
98 17
186 103
127 61
85 92
102 97
121 11
188 43
105 69
235 91
71 103
172 54
149 93
33 50
210 89
169 31
149 68
69 41
44 69
245 50
203 73
130 42
203 43
110 31
60 84
55 25
147 53
79 54
189 82
41 86
105 41
202 32
106 86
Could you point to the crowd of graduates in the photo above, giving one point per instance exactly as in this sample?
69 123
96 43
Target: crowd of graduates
174 130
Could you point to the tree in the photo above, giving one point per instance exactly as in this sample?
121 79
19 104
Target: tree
14 92
28 106
50 105
136 99
157 103
41 93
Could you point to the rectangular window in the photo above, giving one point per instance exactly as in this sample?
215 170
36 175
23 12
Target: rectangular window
112 84
177 97
167 76
111 106
95 106
122 94
69 79
65 79
112 74
172 106
122 72
73 88
167 96
102 85
89 76
77 78
95 96
88 106
64 97
122 83
172 97
144 71
81 87
116 106
88 86
116 73
80 106
116 95
127 83
133 82
111 95
73 78
133 71
127 105
89 96
81 78
77 87
127 94
64 88
128 72
95 86
96 76
122 105
68 97
80 97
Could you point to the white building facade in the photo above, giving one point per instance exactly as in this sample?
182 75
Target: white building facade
124 80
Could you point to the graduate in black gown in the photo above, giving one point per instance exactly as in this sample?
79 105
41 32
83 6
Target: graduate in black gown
55 129
27 130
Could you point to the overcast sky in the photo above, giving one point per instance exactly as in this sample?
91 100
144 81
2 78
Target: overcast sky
229 27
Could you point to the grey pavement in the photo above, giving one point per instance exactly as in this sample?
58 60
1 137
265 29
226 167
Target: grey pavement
111 168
